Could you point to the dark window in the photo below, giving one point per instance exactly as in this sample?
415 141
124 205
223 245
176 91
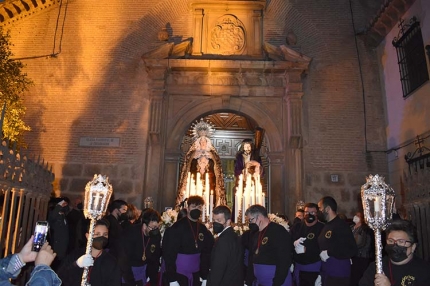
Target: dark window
411 57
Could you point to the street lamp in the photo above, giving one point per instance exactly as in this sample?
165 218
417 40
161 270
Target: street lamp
378 202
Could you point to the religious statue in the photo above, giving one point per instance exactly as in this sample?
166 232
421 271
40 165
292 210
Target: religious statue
202 162
248 161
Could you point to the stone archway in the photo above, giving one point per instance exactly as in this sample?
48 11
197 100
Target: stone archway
269 92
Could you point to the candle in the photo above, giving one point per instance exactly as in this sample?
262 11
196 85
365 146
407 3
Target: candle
377 203
193 187
243 209
264 200
204 213
211 203
236 205
188 185
96 201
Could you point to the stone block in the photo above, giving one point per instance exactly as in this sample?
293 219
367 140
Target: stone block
71 170
92 169
77 185
122 187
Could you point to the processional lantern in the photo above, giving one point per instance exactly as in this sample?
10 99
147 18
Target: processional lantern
97 196
378 201
300 205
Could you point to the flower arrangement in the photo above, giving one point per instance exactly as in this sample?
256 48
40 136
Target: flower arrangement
240 229
276 219
168 218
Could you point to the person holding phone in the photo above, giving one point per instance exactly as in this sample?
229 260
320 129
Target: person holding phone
42 274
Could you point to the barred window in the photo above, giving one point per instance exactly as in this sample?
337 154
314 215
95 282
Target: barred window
411 56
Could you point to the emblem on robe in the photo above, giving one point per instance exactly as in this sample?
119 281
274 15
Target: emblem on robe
153 247
201 236
328 234
311 235
265 240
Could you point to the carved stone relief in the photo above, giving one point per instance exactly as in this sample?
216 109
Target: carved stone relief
228 36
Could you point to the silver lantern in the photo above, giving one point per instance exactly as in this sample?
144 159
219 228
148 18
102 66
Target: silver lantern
97 196
378 202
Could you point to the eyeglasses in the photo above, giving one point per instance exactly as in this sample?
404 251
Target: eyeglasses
252 219
312 213
400 242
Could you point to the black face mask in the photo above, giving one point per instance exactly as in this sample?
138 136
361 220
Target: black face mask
123 217
80 206
100 242
218 227
253 227
154 232
65 210
310 218
195 213
396 253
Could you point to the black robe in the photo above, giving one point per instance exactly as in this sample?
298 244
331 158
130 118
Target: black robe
275 248
415 272
132 245
336 237
226 260
181 238
311 233
104 272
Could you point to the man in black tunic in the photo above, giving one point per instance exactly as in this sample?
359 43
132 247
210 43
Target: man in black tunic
227 254
307 259
270 250
337 245
187 248
141 255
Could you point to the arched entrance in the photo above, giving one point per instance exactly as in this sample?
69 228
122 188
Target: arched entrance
183 90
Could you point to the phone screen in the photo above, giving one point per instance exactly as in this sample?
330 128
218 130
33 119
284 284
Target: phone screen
40 234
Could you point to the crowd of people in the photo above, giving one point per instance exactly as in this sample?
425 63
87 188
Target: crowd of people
320 248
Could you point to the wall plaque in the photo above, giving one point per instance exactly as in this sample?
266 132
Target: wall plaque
111 142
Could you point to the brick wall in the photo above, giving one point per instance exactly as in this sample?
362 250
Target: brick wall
97 86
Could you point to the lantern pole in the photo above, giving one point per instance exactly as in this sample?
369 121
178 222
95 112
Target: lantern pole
97 196
378 201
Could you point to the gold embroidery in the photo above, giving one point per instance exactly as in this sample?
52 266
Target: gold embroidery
408 280
310 235
328 234
265 240
153 247
201 236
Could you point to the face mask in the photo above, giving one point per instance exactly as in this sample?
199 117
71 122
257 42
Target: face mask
154 232
123 217
253 227
65 209
195 213
218 227
356 219
310 218
100 242
80 206
396 253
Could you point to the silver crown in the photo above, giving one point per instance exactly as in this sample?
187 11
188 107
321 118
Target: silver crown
202 128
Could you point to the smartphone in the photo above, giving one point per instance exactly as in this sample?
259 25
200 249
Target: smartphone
40 234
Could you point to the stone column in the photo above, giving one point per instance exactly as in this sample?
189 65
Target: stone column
257 37
198 30
155 151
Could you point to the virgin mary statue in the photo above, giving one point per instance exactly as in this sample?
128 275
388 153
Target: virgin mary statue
202 158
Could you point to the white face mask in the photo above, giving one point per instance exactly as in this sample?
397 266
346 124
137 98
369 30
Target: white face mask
356 219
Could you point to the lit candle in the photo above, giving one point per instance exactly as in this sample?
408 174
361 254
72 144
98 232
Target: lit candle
377 204
211 203
264 200
188 184
193 187
96 201
243 209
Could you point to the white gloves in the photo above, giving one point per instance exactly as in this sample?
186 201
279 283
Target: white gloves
298 246
174 283
85 260
324 256
204 282
292 268
318 281
299 241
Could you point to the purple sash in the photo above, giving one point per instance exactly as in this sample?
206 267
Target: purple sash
336 268
139 273
187 264
246 257
162 270
265 274
313 267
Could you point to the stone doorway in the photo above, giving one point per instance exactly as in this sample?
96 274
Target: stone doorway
185 89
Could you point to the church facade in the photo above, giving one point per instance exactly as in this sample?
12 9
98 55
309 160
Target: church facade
118 84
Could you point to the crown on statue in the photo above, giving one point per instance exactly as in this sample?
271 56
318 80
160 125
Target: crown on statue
202 128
